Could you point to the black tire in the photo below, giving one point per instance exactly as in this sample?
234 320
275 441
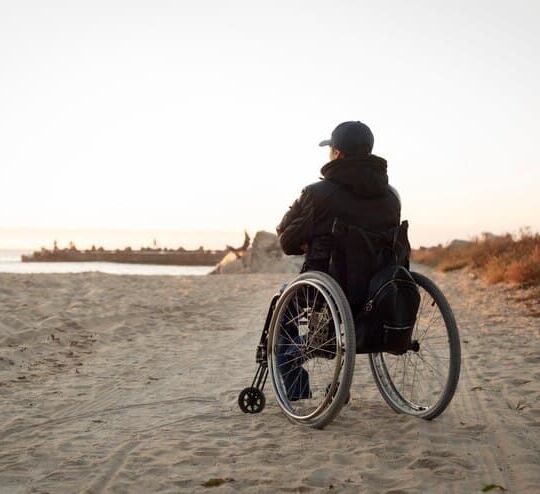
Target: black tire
330 364
436 364
251 400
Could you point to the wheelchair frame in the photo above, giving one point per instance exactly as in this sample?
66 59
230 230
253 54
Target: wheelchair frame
252 399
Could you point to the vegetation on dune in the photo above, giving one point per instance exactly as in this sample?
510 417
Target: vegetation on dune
495 259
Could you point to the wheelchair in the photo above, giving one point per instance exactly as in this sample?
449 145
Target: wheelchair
309 345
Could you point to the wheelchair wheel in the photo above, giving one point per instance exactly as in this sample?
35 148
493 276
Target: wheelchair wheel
422 381
311 349
251 400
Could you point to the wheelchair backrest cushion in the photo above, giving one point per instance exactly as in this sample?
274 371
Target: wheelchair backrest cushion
358 254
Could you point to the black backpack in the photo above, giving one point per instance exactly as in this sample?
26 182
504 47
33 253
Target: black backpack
373 270
387 320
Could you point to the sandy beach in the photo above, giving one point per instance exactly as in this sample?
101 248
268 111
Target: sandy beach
130 383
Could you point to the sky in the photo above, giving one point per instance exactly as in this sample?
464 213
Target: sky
173 118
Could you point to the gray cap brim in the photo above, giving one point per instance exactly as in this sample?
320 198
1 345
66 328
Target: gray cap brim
326 142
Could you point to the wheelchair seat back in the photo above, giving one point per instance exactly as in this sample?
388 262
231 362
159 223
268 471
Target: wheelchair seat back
357 255
361 260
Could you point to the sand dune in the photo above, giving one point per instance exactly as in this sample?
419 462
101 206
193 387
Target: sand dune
129 384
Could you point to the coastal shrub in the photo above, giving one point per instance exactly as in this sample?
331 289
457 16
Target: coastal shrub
526 269
494 269
496 259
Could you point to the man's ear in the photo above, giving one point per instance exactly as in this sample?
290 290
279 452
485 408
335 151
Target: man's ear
336 154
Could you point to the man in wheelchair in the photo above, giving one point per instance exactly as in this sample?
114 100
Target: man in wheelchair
354 190
355 295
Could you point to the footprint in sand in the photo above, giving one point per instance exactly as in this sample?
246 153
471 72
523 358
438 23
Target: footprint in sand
429 463
519 381
475 428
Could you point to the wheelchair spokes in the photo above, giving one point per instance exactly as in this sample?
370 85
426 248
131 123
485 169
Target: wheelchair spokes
422 381
302 329
421 376
307 351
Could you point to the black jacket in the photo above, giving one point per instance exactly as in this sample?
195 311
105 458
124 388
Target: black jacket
355 190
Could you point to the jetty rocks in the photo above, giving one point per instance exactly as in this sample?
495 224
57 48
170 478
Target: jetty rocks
264 256
146 255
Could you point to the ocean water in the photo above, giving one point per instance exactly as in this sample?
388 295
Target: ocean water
10 262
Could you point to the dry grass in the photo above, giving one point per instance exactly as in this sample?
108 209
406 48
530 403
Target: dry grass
494 259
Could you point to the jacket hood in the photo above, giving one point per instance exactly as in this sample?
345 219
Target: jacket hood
364 176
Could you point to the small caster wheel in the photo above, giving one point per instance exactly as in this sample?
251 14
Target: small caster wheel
251 400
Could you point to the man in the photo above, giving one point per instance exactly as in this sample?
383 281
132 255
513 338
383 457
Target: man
354 188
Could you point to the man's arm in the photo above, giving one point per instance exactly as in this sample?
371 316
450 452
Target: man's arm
295 228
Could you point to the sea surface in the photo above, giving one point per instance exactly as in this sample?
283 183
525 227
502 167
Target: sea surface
10 262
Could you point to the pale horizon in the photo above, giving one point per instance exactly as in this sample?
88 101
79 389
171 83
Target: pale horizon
32 239
199 117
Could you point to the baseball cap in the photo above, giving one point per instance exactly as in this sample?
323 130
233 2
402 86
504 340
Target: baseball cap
351 138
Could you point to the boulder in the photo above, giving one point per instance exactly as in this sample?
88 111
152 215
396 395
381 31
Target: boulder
264 256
